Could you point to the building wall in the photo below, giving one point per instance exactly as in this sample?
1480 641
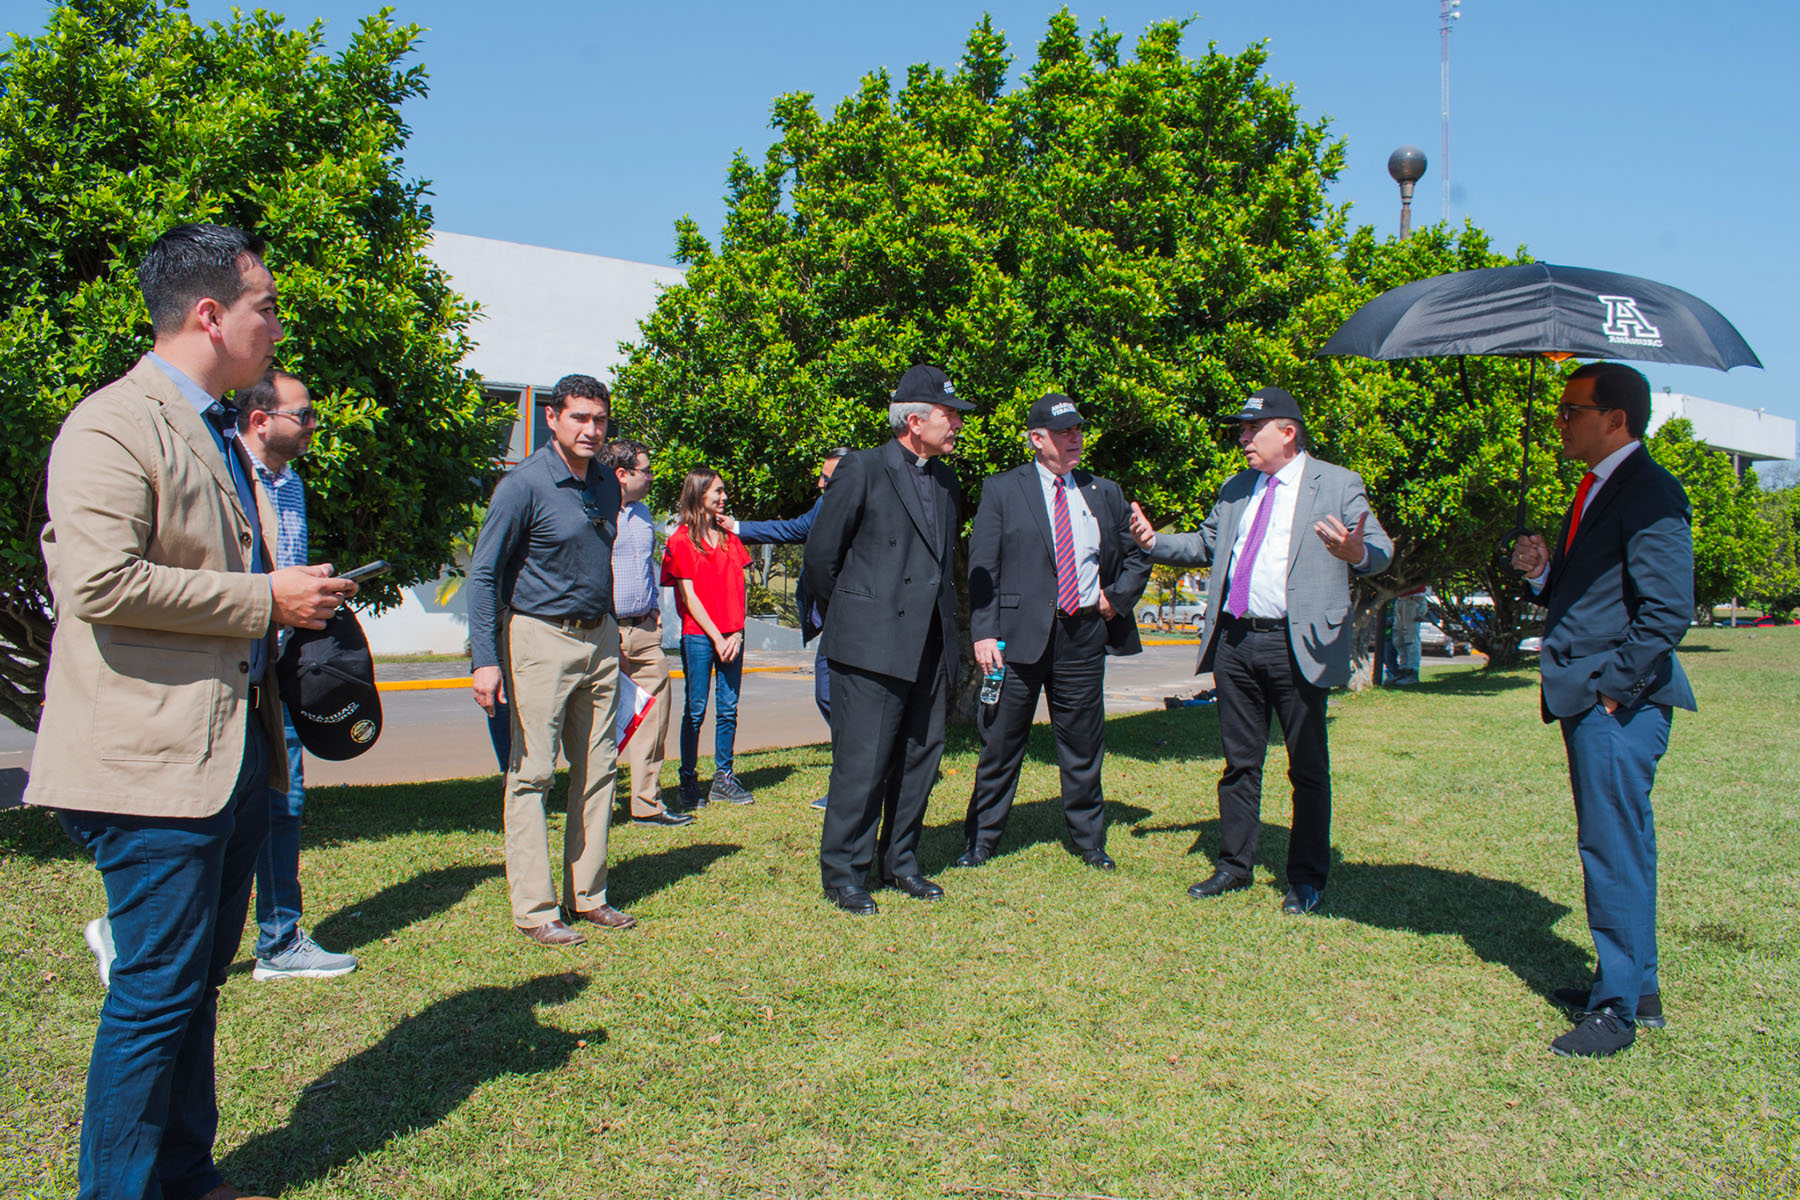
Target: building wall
1751 434
544 314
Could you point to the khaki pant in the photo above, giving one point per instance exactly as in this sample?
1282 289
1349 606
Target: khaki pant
641 657
564 688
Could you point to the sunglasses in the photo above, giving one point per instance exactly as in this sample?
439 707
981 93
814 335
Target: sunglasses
305 416
1567 411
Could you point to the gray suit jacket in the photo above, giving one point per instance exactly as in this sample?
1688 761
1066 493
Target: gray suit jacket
1318 585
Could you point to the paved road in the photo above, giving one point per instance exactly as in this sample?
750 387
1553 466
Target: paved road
438 733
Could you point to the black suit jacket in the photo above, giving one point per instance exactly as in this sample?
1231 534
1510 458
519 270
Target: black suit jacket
877 571
1622 598
1012 563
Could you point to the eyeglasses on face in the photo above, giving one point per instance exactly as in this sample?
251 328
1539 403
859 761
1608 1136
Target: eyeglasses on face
305 416
1567 411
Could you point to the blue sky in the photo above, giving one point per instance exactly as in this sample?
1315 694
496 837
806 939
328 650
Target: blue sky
1654 138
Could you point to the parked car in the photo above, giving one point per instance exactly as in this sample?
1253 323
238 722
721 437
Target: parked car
1767 620
1433 640
1182 615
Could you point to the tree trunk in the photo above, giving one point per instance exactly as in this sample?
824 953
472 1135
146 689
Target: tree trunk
1367 598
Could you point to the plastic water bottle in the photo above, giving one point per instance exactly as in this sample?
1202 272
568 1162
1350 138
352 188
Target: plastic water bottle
990 682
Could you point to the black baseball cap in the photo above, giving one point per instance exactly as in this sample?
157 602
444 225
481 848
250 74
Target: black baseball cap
1053 410
327 681
1266 404
926 384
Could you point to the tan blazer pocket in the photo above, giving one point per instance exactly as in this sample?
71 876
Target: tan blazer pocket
155 704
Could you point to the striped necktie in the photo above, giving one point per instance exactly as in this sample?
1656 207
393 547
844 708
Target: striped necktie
1068 588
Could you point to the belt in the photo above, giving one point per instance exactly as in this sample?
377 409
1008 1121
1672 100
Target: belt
1253 624
1091 610
566 623
640 618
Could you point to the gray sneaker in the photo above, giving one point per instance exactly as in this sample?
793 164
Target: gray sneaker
303 959
725 786
98 935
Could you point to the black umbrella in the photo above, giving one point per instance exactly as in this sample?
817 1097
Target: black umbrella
1539 309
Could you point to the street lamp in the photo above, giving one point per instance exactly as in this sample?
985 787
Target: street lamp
1406 165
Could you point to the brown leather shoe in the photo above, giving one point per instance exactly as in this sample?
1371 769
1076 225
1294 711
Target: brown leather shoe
553 933
607 917
226 1192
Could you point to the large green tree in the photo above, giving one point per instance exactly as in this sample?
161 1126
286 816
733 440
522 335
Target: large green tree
124 118
1149 234
1732 538
1132 231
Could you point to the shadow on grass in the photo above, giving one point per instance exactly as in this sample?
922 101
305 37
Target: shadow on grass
1503 922
766 776
354 813
33 833
412 1079
1031 822
644 875
398 905
1475 683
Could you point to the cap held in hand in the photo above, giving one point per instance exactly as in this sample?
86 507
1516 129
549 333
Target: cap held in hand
327 681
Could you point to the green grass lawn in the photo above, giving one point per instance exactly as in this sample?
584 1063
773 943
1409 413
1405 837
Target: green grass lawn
1044 1031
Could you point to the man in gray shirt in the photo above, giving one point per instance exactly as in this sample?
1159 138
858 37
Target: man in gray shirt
544 559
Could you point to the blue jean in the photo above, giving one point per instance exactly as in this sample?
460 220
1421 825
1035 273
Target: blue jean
278 866
700 664
1612 767
176 893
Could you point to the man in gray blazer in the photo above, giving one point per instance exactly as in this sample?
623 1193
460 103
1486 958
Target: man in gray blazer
1278 631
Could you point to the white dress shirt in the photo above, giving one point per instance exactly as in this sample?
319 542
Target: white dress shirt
1268 577
1084 530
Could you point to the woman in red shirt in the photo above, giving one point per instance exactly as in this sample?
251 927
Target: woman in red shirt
705 565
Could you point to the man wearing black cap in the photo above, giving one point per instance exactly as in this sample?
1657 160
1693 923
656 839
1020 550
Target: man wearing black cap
879 560
1053 575
1278 632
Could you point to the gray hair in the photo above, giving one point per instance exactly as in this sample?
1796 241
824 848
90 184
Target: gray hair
902 409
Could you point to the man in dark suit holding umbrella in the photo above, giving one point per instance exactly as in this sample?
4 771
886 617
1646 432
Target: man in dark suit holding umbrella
879 559
1618 589
1053 576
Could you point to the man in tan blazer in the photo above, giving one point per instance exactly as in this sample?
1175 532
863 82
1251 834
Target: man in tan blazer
159 710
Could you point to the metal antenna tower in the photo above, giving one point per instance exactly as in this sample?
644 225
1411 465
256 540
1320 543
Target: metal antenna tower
1448 11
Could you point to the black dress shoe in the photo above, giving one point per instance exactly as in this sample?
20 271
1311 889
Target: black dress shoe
1598 1035
1575 1000
1218 883
916 886
852 900
1301 899
1100 860
973 856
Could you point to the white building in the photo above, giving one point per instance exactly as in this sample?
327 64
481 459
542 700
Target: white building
544 314
1749 435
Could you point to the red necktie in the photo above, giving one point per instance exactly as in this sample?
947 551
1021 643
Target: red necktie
1068 589
1587 482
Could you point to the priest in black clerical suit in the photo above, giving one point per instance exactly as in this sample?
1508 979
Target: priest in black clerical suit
879 559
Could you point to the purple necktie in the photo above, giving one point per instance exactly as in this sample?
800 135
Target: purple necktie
1237 600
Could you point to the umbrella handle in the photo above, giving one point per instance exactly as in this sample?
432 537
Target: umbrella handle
1519 528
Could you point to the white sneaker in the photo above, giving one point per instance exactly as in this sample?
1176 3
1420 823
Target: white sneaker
98 935
304 959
